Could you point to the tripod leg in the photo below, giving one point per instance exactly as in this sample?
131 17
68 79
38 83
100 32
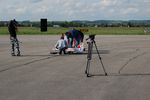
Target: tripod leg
89 57
103 67
87 68
100 59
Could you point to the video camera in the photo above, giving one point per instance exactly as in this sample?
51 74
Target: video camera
91 37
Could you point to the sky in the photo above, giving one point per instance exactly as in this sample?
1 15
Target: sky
68 10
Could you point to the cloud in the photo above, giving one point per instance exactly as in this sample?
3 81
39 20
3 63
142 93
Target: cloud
16 10
36 1
130 11
41 9
75 9
108 2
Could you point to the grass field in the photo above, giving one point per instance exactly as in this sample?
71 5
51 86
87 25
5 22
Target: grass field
92 30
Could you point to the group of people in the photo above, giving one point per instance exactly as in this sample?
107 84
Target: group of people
70 39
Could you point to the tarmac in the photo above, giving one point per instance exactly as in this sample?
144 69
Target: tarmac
39 75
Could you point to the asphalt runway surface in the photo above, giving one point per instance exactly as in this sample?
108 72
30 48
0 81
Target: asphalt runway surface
39 75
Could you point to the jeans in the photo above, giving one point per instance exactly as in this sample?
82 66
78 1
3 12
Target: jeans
14 46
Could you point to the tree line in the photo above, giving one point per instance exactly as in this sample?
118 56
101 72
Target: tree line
98 23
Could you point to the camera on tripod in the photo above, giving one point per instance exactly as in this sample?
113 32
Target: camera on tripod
91 37
89 55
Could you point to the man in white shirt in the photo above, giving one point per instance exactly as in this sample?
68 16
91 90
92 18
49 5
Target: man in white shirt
61 45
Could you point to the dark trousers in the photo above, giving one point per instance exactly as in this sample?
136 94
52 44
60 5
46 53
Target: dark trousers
62 50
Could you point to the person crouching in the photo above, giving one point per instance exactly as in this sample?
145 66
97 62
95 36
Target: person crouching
61 45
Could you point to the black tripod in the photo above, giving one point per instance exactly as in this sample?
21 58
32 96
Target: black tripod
89 56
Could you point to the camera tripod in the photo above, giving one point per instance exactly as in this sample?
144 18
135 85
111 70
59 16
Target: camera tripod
89 57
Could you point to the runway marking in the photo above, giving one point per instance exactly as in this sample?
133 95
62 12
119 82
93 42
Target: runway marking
30 62
131 59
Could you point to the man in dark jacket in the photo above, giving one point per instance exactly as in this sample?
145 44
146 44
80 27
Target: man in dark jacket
12 28
76 36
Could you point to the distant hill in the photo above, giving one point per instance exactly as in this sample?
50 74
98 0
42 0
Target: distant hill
86 23
100 22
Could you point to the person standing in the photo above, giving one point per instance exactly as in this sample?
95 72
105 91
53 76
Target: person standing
12 28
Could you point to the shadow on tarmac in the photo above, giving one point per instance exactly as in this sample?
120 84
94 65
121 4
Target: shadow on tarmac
124 74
